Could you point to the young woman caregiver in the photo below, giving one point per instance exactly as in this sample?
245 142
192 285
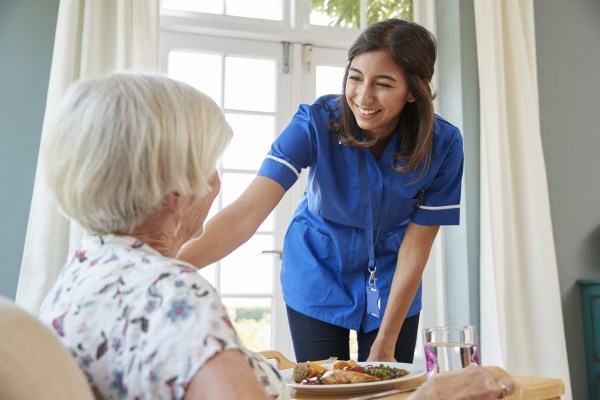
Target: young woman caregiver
384 172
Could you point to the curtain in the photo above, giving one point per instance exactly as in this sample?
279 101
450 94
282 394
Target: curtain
92 38
521 312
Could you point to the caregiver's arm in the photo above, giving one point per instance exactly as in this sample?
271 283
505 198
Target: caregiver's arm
234 224
412 258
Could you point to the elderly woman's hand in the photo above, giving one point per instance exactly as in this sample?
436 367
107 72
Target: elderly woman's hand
471 383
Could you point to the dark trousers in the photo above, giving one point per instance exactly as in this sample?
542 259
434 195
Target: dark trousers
317 340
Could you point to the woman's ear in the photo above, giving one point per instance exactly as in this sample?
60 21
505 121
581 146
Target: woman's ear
411 98
173 201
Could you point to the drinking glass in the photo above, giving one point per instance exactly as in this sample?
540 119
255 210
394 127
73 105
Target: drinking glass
448 348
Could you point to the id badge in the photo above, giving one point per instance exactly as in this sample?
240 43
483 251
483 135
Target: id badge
373 302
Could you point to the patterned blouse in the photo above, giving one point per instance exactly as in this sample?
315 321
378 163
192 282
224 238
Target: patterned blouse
140 324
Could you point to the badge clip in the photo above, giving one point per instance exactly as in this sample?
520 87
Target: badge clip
373 299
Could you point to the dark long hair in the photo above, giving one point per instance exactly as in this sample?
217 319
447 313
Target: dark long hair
413 49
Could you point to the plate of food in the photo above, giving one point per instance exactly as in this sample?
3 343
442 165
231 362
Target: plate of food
348 376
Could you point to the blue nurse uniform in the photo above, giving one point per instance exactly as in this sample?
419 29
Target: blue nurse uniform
325 252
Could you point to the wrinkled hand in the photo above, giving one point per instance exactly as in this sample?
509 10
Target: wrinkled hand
470 383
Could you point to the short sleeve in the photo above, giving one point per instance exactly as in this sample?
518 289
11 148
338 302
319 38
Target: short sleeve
197 327
190 328
292 151
441 202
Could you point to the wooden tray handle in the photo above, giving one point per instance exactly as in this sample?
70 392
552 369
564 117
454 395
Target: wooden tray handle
281 362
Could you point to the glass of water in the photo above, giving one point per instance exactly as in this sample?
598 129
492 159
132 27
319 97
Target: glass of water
448 348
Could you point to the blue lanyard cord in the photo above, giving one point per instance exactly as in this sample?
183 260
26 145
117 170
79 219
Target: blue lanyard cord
366 198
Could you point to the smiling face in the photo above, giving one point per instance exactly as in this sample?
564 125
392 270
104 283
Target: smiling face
376 92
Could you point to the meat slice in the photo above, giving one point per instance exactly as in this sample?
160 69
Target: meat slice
340 376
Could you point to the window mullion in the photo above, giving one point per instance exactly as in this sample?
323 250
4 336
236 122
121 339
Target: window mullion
363 14
299 13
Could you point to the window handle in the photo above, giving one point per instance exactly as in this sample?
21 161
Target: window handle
272 252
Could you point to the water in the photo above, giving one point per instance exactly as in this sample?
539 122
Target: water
449 356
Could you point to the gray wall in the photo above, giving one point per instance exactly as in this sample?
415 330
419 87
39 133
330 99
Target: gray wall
568 54
26 40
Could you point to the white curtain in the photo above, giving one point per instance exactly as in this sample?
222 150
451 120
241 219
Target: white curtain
92 38
521 311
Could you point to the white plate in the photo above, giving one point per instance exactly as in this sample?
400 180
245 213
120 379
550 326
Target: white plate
414 371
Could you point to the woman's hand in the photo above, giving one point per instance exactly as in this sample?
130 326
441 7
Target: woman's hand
381 352
470 383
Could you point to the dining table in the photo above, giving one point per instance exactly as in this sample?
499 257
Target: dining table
526 387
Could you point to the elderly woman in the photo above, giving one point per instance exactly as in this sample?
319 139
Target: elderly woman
132 159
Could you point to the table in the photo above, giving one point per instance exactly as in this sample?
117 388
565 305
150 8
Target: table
528 387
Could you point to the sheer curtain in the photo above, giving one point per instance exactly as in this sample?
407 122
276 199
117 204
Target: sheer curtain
92 38
521 311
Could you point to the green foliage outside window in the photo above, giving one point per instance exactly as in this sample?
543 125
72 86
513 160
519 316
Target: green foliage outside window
255 313
253 325
346 13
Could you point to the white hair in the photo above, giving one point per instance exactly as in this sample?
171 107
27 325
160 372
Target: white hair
118 144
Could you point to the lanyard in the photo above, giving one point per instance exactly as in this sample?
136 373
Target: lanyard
373 300
366 197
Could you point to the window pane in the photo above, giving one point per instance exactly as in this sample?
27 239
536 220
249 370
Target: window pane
380 10
250 84
321 19
263 9
346 13
328 80
232 187
252 137
206 6
342 13
252 321
202 71
246 270
209 274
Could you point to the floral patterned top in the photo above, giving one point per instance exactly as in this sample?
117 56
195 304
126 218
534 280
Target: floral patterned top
140 324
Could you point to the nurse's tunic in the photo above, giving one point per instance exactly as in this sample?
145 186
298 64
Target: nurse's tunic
325 253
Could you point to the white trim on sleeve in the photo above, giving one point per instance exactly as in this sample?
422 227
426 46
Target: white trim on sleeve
287 164
440 207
